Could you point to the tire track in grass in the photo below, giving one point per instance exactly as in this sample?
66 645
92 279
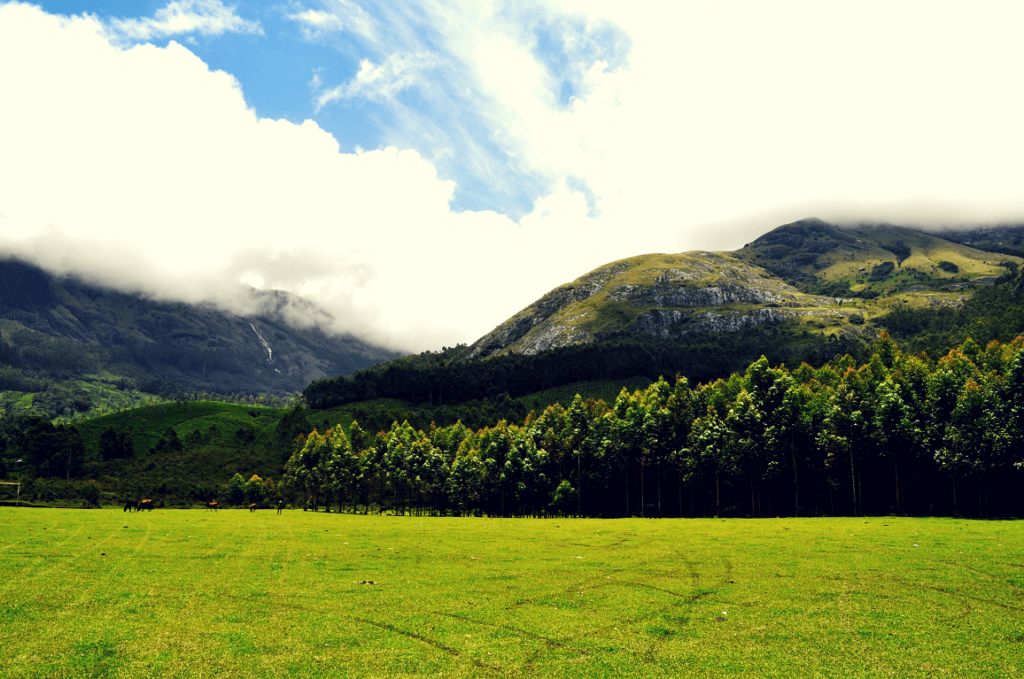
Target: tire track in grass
653 613
842 603
510 628
689 598
954 595
1016 590
426 640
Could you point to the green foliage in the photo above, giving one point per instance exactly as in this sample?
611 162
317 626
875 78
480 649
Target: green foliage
948 267
879 436
235 492
563 500
255 490
91 493
881 271
992 313
116 445
169 442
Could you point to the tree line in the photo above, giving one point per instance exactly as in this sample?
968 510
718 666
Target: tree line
897 433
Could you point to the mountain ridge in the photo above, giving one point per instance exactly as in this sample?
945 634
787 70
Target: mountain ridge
175 345
818 276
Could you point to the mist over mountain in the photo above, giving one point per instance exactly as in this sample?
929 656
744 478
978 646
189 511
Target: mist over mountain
62 327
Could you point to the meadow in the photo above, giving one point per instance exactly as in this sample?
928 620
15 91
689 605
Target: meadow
194 593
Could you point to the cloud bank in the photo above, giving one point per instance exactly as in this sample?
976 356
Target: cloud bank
579 132
206 17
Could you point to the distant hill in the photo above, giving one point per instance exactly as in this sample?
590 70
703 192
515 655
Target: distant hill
60 329
1007 239
874 260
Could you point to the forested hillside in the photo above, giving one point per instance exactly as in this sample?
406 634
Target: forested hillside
68 349
441 377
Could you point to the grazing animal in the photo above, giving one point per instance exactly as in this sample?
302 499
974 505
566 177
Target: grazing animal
280 506
145 504
252 507
210 505
130 505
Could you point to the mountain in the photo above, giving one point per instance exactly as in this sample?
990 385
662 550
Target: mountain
809 276
660 295
1005 238
806 291
873 260
62 328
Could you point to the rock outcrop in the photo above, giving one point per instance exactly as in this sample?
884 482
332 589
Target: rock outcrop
658 295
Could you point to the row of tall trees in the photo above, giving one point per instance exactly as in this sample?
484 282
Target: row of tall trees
898 433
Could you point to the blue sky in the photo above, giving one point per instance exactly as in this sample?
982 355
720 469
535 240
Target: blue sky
289 57
425 169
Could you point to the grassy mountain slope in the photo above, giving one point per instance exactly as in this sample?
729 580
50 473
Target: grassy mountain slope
809 276
1007 239
819 257
660 295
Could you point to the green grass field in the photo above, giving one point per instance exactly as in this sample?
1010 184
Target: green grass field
192 593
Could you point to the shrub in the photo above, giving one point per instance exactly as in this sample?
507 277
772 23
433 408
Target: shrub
882 270
91 493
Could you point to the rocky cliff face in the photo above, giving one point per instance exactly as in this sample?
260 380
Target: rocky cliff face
516 328
659 295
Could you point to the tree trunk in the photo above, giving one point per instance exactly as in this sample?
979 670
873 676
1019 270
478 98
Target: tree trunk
642 507
660 515
691 498
680 493
579 482
899 503
796 479
753 510
984 487
718 497
626 515
954 494
853 482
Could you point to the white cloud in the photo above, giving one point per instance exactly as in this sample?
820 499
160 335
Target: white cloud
718 123
182 17
341 15
162 180
316 23
315 83
383 81
684 116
